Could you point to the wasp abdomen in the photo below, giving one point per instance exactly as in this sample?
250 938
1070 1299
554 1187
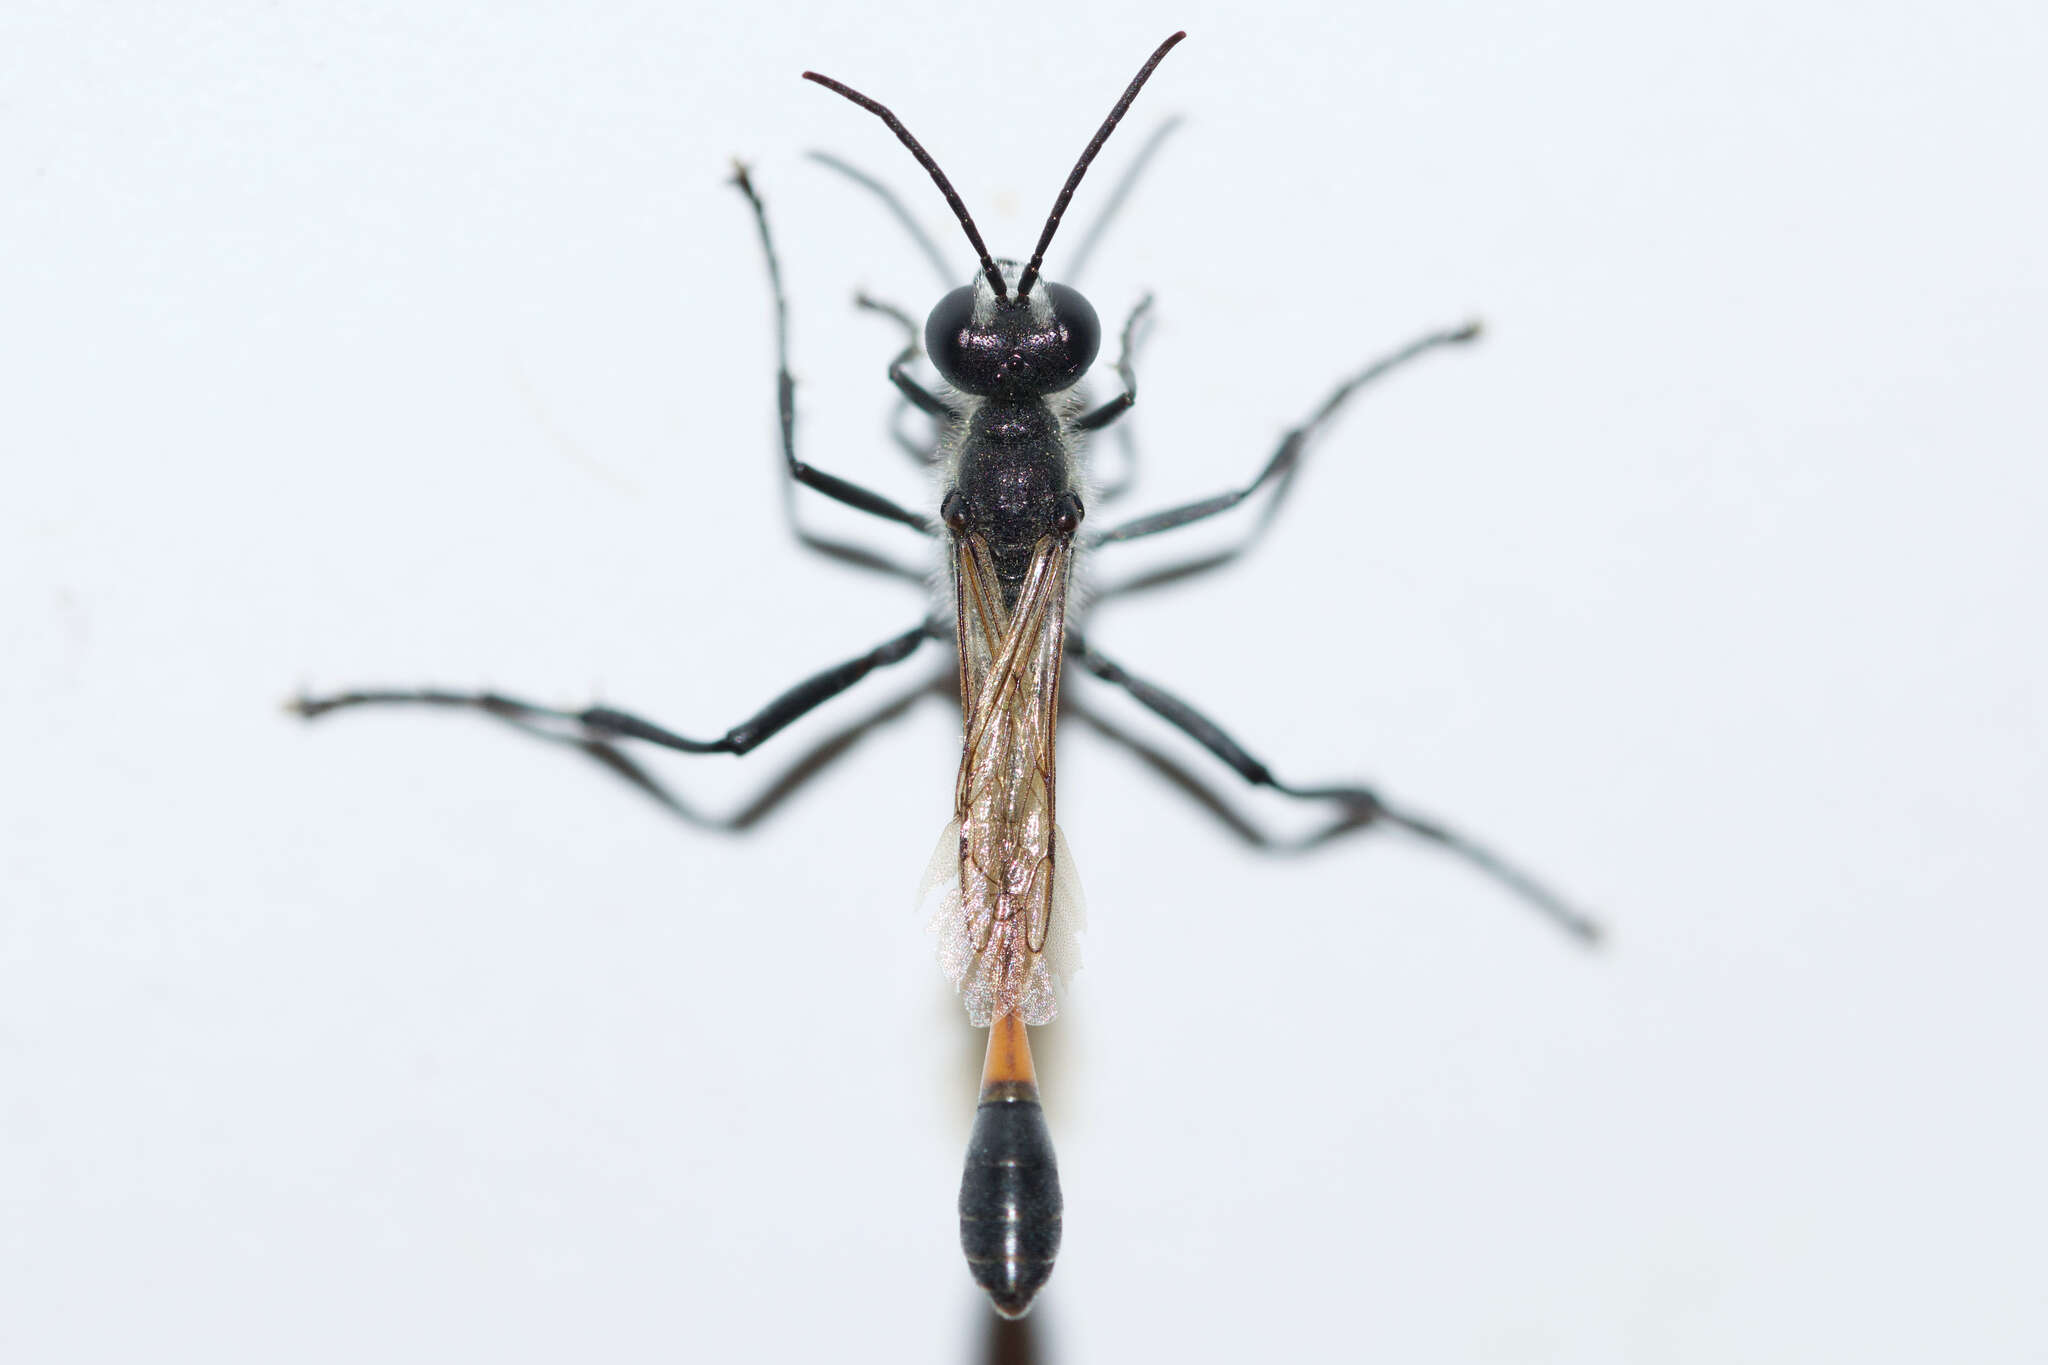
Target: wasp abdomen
1010 1205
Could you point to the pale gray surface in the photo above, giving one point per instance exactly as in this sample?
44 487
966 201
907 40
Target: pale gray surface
426 345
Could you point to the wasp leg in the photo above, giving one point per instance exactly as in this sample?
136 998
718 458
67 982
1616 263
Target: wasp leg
1285 459
604 723
913 394
1121 404
1109 490
831 485
919 396
1363 805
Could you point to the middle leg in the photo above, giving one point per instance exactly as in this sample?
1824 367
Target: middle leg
605 723
1364 804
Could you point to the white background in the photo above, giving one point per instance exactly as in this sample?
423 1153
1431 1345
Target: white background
423 343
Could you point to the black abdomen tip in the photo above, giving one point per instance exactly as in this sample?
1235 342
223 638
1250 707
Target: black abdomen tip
1010 1207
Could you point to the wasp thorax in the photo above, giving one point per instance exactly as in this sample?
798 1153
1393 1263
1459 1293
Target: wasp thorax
1012 348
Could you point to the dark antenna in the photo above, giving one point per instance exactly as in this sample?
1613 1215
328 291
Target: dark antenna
1059 206
924 159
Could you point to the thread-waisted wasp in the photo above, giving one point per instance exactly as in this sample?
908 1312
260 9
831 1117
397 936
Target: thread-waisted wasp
1014 490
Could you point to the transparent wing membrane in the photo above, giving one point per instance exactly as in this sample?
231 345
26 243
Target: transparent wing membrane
998 940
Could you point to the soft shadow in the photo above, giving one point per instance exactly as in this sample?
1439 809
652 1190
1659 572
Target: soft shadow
1114 204
898 210
846 552
786 784
1175 774
1183 570
1010 1341
1356 809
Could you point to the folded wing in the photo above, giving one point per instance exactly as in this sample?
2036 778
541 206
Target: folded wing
1003 926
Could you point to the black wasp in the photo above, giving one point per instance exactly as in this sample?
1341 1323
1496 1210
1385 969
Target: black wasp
1010 347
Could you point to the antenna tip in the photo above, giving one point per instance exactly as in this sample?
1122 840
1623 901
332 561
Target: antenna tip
1471 331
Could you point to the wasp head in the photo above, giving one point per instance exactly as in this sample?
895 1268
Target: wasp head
1012 348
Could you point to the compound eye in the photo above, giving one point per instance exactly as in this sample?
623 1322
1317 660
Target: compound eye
1075 316
948 334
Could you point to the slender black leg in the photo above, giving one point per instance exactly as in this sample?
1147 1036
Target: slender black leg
1116 407
604 723
913 394
1288 455
1364 804
919 396
831 485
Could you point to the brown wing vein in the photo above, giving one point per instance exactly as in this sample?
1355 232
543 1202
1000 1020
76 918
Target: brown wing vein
1004 798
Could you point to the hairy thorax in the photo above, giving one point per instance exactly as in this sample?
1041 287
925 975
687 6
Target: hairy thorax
1013 471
